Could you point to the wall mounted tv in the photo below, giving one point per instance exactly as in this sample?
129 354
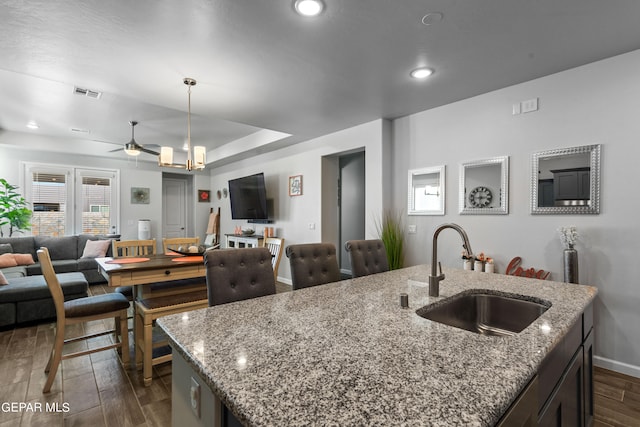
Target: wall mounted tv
248 198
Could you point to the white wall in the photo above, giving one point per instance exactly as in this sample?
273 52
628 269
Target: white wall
594 104
142 174
294 214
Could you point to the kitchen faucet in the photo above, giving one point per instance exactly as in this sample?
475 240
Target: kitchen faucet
435 278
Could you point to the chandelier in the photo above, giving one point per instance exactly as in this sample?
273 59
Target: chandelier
198 161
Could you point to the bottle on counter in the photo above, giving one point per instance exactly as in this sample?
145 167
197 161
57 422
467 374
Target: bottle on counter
489 266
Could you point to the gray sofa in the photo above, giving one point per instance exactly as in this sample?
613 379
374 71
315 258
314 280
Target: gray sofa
66 255
26 298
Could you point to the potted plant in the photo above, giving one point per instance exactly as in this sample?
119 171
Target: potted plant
391 233
14 209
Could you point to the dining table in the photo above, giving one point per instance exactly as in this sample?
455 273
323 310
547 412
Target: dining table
153 277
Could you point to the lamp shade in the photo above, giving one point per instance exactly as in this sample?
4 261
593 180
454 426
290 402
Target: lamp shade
199 156
166 155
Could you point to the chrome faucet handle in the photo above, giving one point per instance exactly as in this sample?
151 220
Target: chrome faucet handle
440 268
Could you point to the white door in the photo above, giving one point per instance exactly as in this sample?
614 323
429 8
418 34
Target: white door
96 201
174 207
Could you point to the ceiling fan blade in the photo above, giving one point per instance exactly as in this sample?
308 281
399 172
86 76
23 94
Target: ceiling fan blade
117 149
146 150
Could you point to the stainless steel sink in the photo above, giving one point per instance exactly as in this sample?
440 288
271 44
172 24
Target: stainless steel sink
486 312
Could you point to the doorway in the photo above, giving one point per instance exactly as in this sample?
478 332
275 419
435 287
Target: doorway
174 206
351 204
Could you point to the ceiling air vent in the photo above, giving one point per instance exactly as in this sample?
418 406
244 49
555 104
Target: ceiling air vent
87 92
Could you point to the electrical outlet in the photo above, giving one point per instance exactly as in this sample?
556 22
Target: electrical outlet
412 229
195 397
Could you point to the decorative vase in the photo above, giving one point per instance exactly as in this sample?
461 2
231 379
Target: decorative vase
570 257
478 266
488 267
466 264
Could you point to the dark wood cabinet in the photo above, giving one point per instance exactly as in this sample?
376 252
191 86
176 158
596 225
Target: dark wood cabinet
571 184
588 380
565 406
524 412
545 193
565 390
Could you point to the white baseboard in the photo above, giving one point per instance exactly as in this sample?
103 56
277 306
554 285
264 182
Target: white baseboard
285 281
613 365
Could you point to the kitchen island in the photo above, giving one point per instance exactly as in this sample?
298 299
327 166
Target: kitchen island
346 353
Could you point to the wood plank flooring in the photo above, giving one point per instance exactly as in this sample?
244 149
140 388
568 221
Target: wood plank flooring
617 399
96 390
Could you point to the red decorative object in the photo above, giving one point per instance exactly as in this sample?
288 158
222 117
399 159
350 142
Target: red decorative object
204 195
514 269
198 258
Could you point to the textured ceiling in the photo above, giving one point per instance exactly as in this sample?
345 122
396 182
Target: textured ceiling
260 66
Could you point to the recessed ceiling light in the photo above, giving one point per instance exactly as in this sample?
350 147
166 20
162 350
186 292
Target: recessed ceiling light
432 18
33 125
421 73
308 7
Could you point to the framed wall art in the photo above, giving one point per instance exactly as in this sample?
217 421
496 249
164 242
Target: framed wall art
205 196
140 196
295 185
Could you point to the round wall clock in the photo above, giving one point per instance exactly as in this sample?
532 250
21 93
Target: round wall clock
480 197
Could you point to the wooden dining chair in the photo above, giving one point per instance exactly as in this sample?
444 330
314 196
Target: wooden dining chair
313 264
133 247
105 306
275 246
122 248
367 257
169 243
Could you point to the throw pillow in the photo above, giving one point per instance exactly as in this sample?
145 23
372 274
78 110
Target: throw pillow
6 248
3 280
7 260
96 248
23 259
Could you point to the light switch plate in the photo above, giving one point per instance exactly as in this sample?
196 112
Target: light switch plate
530 105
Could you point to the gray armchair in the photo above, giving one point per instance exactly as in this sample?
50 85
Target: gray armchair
313 264
367 257
238 274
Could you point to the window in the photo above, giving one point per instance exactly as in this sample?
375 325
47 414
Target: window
49 201
54 190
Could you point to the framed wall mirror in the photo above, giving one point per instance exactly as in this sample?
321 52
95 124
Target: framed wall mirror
426 191
566 181
484 187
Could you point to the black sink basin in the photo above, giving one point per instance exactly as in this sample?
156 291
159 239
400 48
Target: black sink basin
486 312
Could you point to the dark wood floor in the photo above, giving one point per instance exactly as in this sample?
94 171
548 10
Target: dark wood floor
617 399
100 392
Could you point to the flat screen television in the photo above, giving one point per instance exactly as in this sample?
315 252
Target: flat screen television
248 197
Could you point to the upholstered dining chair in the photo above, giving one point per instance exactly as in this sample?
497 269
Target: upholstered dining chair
169 243
132 248
313 264
367 257
105 306
238 274
275 246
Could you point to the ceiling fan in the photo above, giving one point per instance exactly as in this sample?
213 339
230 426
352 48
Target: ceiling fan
132 148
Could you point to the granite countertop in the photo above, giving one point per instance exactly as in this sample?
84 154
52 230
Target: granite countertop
346 353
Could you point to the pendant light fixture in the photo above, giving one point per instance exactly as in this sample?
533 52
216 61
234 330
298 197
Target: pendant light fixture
199 160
